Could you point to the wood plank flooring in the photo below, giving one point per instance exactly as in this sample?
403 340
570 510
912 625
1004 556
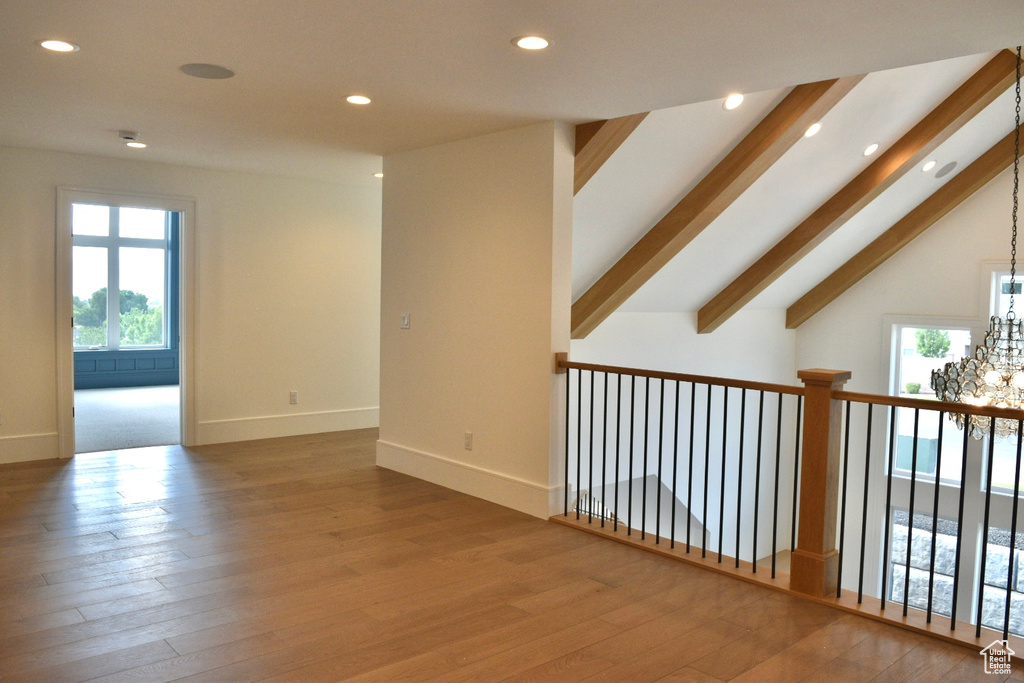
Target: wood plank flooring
299 560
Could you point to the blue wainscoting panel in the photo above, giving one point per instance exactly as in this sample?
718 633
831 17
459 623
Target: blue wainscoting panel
125 368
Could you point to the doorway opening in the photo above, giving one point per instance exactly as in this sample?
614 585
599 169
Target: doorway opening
124 285
124 288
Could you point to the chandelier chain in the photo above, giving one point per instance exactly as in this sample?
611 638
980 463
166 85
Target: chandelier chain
1016 186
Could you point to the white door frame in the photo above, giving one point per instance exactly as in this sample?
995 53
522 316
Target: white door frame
187 331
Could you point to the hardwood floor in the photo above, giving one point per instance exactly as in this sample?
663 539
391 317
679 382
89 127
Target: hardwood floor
298 560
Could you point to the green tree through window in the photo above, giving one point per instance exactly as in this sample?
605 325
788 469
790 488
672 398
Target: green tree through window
141 324
932 343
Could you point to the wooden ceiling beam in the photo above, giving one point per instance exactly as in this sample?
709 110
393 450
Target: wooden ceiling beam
751 157
597 141
969 99
926 214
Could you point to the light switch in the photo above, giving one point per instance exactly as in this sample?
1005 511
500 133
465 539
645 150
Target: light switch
405 321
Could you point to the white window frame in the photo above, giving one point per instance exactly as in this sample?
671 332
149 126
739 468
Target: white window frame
113 242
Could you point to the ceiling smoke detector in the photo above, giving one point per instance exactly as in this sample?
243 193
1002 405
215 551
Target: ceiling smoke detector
130 138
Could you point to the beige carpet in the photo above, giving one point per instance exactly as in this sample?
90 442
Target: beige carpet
111 419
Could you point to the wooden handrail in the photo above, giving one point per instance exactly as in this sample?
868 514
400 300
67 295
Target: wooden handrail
926 404
681 377
562 363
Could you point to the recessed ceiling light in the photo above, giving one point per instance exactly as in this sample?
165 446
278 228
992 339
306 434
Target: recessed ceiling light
871 149
813 130
929 165
378 175
358 99
136 145
531 42
208 71
732 101
59 46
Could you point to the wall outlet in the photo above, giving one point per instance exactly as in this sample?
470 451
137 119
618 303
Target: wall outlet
468 441
293 397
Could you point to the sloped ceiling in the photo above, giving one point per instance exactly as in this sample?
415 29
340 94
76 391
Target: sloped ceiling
672 149
437 70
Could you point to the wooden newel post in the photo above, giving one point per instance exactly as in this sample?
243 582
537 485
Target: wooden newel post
814 568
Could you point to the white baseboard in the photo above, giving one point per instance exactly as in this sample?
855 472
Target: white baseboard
24 447
512 492
270 426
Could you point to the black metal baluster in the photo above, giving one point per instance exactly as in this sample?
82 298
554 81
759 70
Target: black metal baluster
689 472
739 472
604 452
721 492
959 528
775 503
618 444
935 521
984 526
568 414
796 470
757 477
647 438
579 438
910 527
590 489
675 470
661 451
632 416
864 508
1013 531
707 467
842 506
888 504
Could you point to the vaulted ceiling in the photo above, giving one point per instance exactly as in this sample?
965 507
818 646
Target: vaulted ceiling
705 210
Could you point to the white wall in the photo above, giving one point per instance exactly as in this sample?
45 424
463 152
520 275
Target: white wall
287 287
476 248
751 345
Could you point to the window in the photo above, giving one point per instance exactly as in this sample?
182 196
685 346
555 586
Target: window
1001 294
920 350
1000 566
120 276
922 537
962 502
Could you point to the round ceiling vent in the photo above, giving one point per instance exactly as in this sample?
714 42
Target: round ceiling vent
210 71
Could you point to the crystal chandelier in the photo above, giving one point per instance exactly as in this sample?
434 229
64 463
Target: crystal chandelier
995 375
